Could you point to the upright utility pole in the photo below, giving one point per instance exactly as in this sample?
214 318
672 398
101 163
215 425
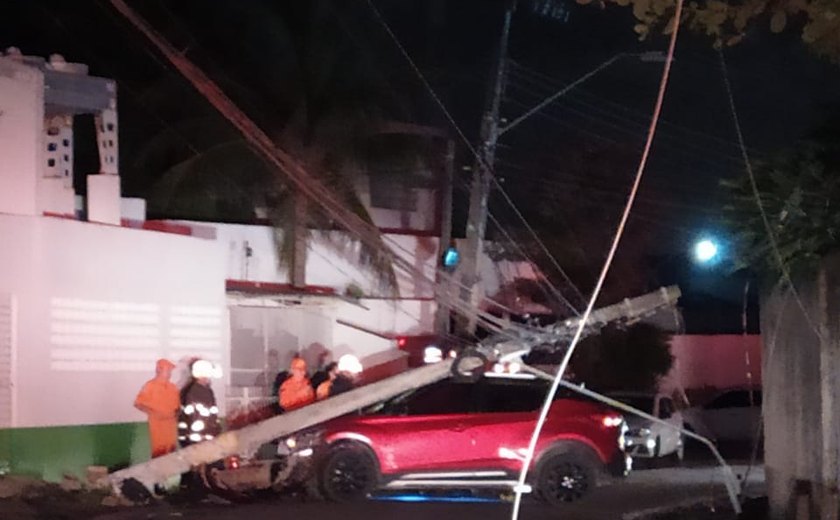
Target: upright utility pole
482 178
442 327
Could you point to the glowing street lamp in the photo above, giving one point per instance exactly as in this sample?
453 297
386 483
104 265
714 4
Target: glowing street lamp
705 251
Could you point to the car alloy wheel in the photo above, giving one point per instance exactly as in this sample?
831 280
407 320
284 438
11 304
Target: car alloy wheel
565 478
348 474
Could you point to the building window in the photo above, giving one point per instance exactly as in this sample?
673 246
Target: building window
392 193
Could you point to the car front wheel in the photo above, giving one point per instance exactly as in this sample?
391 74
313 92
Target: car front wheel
564 478
348 473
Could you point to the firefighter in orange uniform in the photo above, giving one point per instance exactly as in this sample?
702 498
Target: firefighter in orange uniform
296 391
160 401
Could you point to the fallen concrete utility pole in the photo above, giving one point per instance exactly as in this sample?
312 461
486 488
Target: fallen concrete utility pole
249 439
557 335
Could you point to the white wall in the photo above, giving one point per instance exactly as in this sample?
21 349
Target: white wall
311 326
97 305
332 261
21 137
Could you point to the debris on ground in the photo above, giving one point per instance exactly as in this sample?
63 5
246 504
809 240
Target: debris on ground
14 485
35 499
70 483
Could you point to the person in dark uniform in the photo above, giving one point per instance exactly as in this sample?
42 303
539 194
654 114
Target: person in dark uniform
323 375
342 378
199 417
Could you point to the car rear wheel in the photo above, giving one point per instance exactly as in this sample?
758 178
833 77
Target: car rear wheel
348 474
565 478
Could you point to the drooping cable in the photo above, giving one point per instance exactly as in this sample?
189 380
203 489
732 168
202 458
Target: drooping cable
464 138
529 455
309 186
771 236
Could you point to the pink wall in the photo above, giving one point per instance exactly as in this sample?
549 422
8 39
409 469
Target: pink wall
718 361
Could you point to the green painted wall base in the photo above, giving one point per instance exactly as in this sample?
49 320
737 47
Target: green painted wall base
50 453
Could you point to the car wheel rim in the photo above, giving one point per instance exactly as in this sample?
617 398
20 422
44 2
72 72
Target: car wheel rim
566 482
349 477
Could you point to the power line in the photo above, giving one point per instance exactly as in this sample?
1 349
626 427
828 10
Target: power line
683 185
562 92
309 186
532 445
757 196
557 294
662 159
463 186
394 245
548 82
619 117
688 148
559 186
463 137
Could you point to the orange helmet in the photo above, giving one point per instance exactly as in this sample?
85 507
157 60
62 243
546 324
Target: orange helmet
298 364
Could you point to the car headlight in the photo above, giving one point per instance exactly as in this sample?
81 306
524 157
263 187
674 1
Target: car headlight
644 432
303 441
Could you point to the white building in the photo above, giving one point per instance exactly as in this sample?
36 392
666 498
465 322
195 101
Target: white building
91 294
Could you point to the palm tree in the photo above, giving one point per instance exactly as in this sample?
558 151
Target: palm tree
323 113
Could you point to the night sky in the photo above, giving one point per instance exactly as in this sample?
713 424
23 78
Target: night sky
568 167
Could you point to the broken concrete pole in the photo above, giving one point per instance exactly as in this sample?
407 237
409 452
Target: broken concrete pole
249 439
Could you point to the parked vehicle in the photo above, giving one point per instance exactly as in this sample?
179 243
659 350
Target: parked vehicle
650 439
733 415
468 436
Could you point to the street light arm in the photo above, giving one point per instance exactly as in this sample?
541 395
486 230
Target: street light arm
547 101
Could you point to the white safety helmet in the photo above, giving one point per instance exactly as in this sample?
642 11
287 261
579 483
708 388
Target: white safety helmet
202 369
349 363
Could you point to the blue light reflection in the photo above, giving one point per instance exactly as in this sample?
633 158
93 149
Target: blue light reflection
414 498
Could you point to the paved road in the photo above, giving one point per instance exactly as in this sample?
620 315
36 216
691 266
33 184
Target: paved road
642 491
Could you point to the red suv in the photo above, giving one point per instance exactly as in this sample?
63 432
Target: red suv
470 436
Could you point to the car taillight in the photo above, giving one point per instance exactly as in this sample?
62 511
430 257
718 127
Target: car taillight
401 342
612 421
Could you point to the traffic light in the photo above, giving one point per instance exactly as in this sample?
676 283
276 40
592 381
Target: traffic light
451 258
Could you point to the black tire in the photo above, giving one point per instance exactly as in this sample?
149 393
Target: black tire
469 366
679 454
348 473
566 477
